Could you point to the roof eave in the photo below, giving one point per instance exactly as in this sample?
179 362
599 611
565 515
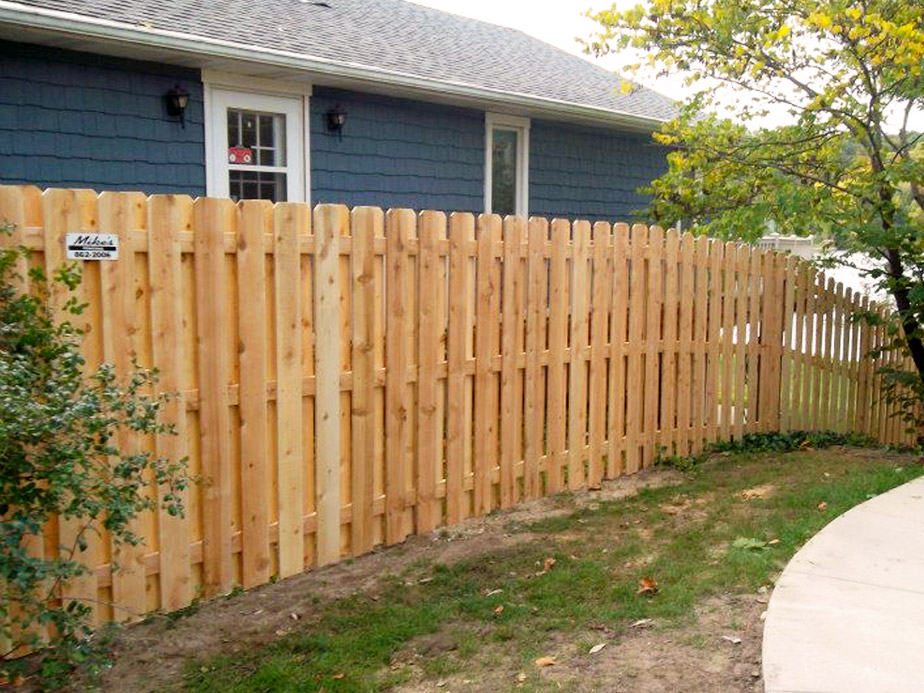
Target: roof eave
16 14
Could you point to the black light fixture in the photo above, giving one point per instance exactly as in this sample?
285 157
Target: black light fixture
177 99
336 119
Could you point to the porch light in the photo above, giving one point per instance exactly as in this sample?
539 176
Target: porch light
336 119
177 99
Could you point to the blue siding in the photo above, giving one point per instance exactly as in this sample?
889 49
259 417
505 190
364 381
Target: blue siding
397 153
590 173
79 120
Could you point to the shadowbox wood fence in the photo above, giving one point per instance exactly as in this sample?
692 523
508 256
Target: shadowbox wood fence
350 377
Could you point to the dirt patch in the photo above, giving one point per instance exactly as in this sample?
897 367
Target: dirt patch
719 652
762 491
151 656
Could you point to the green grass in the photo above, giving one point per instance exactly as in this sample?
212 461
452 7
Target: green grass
681 536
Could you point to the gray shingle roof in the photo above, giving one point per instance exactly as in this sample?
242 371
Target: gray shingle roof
394 35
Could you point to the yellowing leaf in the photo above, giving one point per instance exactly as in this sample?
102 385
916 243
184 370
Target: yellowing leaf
545 662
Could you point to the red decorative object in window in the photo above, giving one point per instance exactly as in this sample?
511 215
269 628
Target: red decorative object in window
240 155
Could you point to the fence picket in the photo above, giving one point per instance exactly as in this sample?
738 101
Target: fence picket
668 422
685 356
120 214
534 385
558 321
742 299
398 225
598 351
634 382
486 415
431 229
167 216
461 233
577 371
255 222
511 410
615 464
652 345
700 342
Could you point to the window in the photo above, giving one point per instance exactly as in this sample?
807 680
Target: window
506 189
256 148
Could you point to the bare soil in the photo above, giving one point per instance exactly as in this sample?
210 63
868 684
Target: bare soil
151 656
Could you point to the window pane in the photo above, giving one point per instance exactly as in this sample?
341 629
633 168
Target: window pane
234 128
256 138
504 172
248 129
257 185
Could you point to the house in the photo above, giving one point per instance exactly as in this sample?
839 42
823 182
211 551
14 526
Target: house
379 102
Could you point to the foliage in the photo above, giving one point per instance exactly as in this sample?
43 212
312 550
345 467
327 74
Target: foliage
59 458
847 77
754 443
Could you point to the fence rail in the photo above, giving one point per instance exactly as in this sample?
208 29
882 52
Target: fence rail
351 377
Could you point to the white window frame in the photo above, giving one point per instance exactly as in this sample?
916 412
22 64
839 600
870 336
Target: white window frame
520 125
223 91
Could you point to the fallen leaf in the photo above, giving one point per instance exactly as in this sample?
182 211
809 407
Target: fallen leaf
339 675
493 592
545 662
521 677
424 581
440 684
294 616
647 585
280 633
548 564
641 623
822 506
773 542
499 610
596 648
732 639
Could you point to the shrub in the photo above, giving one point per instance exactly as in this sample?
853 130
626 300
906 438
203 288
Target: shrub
58 458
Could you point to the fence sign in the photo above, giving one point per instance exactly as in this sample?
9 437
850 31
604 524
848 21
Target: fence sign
92 246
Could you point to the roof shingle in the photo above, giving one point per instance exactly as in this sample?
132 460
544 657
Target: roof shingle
393 35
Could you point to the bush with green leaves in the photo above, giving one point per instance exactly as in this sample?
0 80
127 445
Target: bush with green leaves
59 458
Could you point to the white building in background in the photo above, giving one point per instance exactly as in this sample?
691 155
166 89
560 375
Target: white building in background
847 274
800 246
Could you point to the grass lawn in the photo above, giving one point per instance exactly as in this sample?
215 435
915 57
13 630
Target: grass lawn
728 527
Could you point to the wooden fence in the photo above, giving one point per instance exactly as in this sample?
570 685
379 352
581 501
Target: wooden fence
349 378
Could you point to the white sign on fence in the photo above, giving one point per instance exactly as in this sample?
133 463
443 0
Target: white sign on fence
92 246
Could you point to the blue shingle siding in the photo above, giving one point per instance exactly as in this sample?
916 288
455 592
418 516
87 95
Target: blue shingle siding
590 173
72 119
397 153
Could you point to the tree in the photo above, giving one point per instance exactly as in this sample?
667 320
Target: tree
58 458
848 76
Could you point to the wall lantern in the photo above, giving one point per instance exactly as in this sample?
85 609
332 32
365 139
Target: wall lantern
336 119
177 99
